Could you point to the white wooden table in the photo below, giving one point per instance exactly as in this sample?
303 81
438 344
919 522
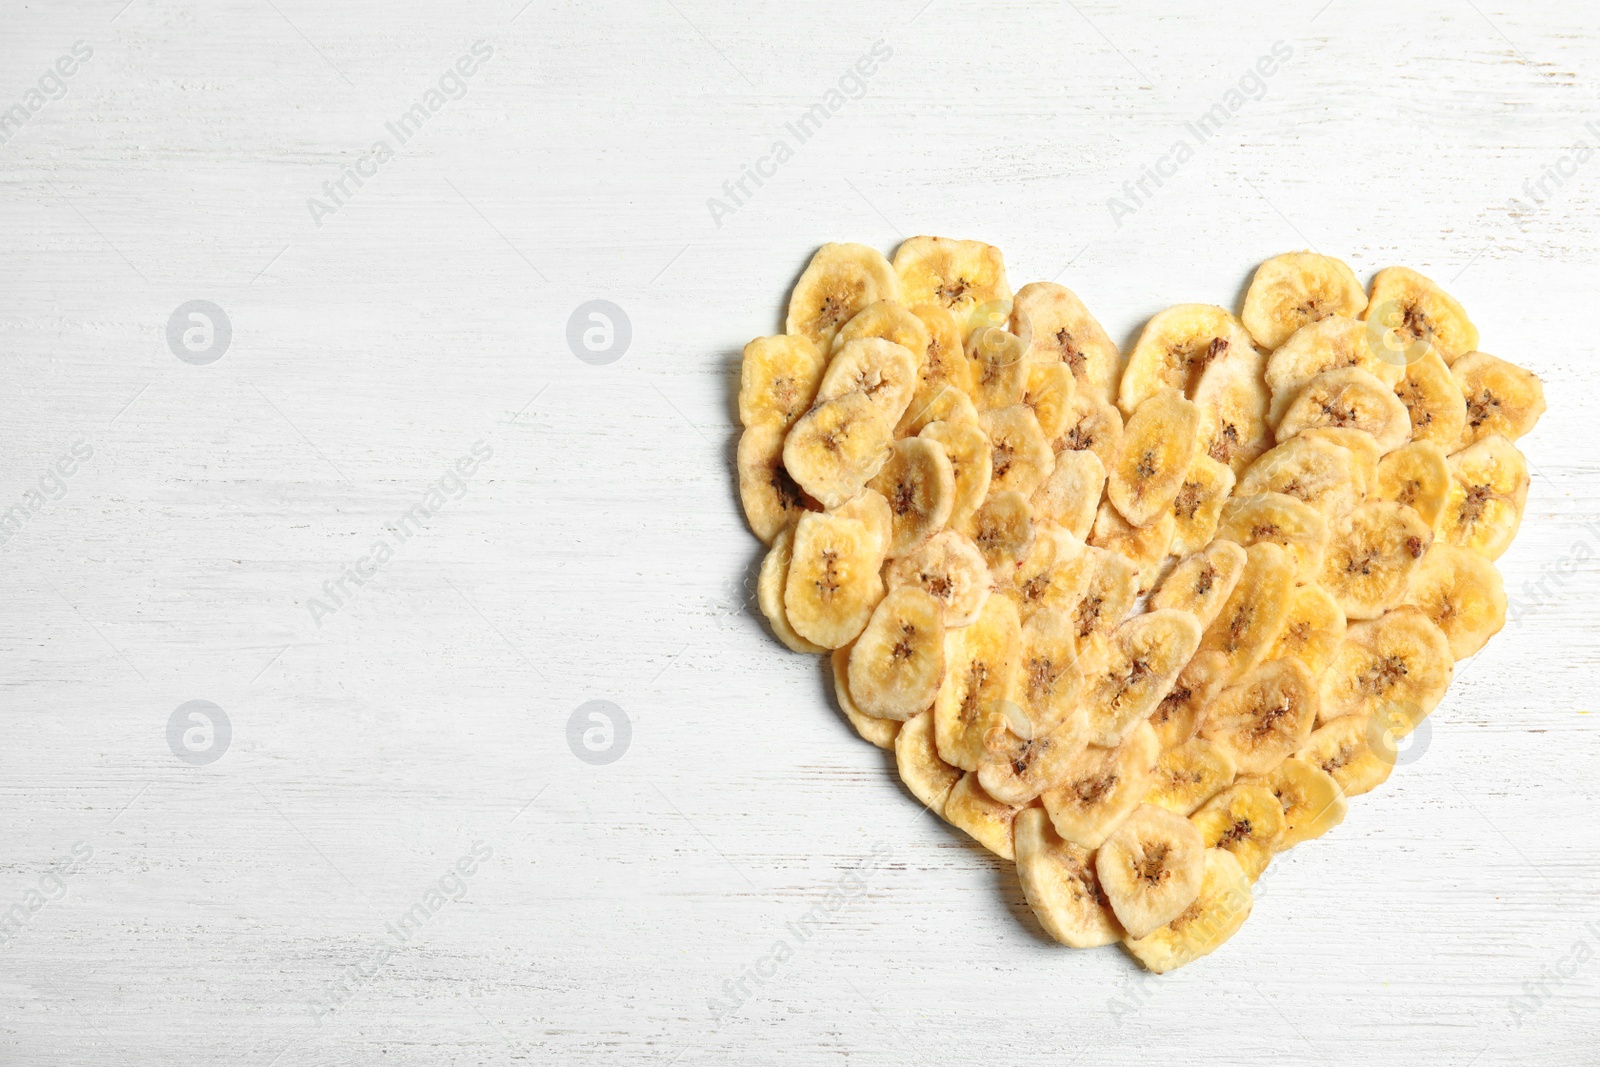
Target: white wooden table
240 911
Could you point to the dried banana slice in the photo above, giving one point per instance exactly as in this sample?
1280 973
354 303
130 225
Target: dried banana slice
919 484
1020 459
836 447
1176 347
1151 868
884 371
1052 676
880 732
1189 775
1349 398
770 585
938 401
887 320
1312 470
1071 495
778 380
1218 911
1332 344
1158 444
1282 520
1050 390
1488 490
1144 658
982 665
1017 769
1003 531
1399 661
1201 583
770 497
1177 717
1101 787
929 778
897 663
1313 629
1296 289
1418 476
1462 593
1424 315
1057 328
985 819
1372 553
1433 401
966 446
871 510
1092 425
1109 593
1362 447
1342 750
1233 401
1255 612
1145 547
1311 800
1501 398
840 280
1054 575
1246 821
1198 505
1059 880
950 569
833 583
959 276
999 368
1264 717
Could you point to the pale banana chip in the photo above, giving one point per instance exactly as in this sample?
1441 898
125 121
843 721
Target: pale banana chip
1093 425
836 447
1198 506
916 757
1488 491
1020 458
1332 344
1372 553
770 585
778 380
1462 593
1282 520
919 485
966 446
1050 390
950 569
959 276
986 820
982 674
1146 547
1059 880
1398 661
1501 398
840 280
1071 495
897 663
1102 787
1201 583
1418 476
1003 531
833 583
1158 444
999 368
1144 657
772 500
1219 909
1296 289
885 372
1177 346
1424 315
880 732
1348 399
1057 328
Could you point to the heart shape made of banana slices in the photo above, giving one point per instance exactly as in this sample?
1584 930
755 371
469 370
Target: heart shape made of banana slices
1136 622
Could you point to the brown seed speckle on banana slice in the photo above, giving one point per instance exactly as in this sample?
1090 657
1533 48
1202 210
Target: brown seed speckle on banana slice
966 446
1341 749
1255 612
887 320
1151 868
1401 660
1311 800
1057 328
986 820
1198 504
898 661
1462 593
882 370
1002 528
1189 775
1059 880
1331 344
999 368
774 578
833 583
880 732
1071 495
1176 347
840 280
1372 553
1296 289
836 447
1349 399
1265 716
772 500
1488 491
1313 470
950 569
1233 400
1094 425
1424 315
1051 388
1201 583
1246 821
1158 444
1144 657
916 757
919 485
1418 476
778 380
1281 520
982 668
1501 398
1146 547
1177 717
959 276
1020 459
1101 787
1313 629
1218 911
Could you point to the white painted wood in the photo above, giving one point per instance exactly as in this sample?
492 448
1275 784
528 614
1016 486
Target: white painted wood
600 554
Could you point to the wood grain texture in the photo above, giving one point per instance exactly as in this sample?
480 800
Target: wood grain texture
600 552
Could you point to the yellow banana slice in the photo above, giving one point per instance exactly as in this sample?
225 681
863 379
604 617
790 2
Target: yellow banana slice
1341 749
1092 425
938 401
1311 800
770 497
1296 289
778 380
897 663
1362 447
1158 444
1488 491
840 280
1255 612
1432 400
886 320
1246 821
1501 398
1177 717
986 820
919 484
836 447
1019 456
966 446
833 581
1349 398
1057 328
1003 530
1331 344
1059 880
1233 401
1144 657
1052 675
1145 547
882 370
999 368
1108 595
1054 575
1189 775
1198 505
770 585
1220 908
1372 553
1176 347
1151 868
1101 787
945 358
1462 593
1017 769
959 276
950 569
1071 495
1313 629
1399 661
982 665
880 732
1264 717
1418 476
1050 390
1282 520
1424 315
871 510
929 778
1313 470
1201 583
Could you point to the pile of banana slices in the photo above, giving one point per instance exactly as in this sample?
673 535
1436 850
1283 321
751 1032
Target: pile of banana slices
1136 624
